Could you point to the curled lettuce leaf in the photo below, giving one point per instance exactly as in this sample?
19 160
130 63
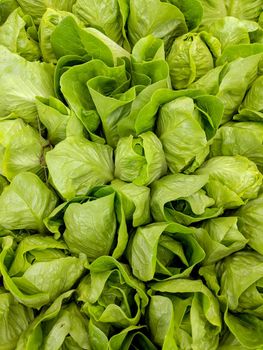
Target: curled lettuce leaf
140 160
111 295
182 198
15 35
191 57
233 180
135 201
186 316
164 251
23 209
76 165
35 258
55 116
185 126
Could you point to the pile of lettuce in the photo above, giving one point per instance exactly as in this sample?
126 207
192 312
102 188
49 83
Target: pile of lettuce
131 186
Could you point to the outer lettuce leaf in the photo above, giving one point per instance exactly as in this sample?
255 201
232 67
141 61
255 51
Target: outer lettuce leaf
185 127
76 165
182 198
26 279
24 209
22 81
230 31
69 38
233 180
15 35
145 18
104 15
22 149
140 160
250 221
164 251
15 318
243 138
111 294
3 183
54 115
135 201
36 8
192 317
220 238
191 57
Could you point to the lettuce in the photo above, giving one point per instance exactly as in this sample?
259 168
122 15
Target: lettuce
131 175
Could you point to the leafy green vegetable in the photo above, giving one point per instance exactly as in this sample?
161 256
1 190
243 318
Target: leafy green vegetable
131 175
89 164
23 209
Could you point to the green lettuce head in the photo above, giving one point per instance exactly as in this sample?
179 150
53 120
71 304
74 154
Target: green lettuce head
233 180
96 224
182 198
237 281
33 259
76 165
186 127
61 325
111 295
140 159
184 314
192 56
164 251
243 138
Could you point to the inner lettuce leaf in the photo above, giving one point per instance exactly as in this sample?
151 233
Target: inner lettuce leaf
183 314
77 164
23 209
183 199
233 180
22 81
192 56
34 258
111 295
19 35
186 127
163 251
140 160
